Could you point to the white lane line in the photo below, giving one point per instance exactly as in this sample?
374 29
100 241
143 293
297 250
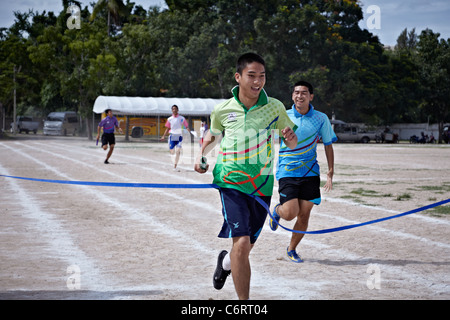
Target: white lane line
341 253
373 228
160 228
414 215
134 213
156 226
58 239
377 229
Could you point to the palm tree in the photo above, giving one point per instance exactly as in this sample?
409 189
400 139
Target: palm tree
115 8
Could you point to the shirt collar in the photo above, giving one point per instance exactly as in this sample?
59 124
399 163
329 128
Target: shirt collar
299 115
262 100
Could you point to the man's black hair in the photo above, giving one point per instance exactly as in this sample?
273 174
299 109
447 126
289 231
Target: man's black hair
246 59
305 84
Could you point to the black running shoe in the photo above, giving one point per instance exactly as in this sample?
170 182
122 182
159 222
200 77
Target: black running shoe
220 275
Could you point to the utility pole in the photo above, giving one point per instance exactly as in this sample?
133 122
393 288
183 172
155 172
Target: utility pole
15 112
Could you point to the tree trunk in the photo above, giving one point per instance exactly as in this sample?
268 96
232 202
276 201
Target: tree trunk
89 128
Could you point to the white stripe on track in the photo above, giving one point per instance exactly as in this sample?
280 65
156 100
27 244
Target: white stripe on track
161 228
59 240
414 215
327 198
373 228
328 251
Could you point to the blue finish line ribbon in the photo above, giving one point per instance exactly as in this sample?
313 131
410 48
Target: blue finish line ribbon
208 186
433 205
121 184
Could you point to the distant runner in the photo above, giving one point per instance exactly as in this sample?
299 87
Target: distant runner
176 123
108 124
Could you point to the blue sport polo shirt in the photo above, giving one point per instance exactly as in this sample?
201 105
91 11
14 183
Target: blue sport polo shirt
302 161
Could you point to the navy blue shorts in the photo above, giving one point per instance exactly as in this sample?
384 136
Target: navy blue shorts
242 214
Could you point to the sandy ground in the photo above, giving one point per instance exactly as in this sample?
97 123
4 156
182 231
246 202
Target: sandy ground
84 242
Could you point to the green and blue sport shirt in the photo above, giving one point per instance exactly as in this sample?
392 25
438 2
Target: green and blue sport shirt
246 155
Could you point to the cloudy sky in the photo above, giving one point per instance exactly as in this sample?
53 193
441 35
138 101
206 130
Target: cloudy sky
386 18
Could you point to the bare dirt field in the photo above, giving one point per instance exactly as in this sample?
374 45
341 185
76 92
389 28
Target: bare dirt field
61 241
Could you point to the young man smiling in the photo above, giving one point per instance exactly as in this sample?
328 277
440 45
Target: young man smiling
244 165
298 170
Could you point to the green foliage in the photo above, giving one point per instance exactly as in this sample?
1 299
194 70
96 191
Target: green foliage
433 57
190 49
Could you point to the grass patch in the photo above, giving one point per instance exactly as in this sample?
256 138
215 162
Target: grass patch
350 197
441 210
364 192
440 189
404 196
369 193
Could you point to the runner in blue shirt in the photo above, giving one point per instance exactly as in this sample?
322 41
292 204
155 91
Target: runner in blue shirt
298 171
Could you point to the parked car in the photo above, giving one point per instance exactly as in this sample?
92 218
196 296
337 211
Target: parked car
350 133
25 124
61 123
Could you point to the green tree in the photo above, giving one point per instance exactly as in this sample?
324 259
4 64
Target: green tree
190 49
71 62
434 67
407 41
320 41
13 56
114 9
137 55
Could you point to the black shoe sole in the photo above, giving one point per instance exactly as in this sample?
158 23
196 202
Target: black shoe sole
220 275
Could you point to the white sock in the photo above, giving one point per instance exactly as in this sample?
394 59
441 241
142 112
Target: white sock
226 263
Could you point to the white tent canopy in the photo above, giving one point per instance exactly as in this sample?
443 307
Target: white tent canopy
155 106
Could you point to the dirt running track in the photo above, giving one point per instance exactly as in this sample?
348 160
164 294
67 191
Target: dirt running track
84 242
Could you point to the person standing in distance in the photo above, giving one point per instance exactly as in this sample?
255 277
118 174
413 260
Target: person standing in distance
243 169
203 130
108 124
298 171
176 123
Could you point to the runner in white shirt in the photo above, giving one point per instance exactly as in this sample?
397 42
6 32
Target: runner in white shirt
176 123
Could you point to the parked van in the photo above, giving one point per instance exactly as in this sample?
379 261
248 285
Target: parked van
61 123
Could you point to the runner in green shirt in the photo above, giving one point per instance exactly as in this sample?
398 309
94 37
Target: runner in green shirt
244 167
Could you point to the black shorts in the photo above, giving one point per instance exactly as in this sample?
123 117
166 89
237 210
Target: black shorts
108 138
306 188
242 214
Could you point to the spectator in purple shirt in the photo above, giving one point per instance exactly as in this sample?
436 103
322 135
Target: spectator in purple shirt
108 124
